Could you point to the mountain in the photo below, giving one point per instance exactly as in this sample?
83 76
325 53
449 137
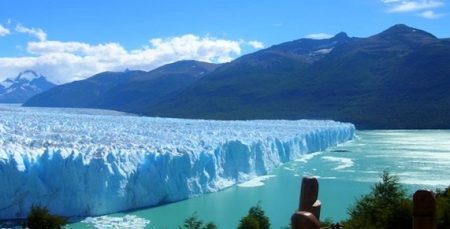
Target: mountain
23 87
124 91
399 78
83 93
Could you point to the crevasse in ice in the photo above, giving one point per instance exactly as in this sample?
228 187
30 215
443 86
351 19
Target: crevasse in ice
85 162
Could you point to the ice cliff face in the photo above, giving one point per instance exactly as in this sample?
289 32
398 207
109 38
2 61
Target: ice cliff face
84 162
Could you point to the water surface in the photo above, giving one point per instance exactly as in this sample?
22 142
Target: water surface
420 158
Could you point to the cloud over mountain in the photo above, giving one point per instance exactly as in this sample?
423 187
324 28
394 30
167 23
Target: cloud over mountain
65 61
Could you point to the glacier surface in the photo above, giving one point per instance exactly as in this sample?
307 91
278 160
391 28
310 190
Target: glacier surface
81 162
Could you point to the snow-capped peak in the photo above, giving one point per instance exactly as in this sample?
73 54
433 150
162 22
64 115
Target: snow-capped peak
27 84
28 75
7 83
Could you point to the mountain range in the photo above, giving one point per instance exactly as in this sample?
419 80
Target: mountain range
399 78
126 91
24 86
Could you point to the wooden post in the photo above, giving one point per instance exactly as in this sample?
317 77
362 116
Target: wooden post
308 214
309 196
304 220
424 210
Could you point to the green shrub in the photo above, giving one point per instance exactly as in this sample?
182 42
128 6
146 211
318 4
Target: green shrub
249 222
193 222
386 206
40 218
256 219
210 225
443 208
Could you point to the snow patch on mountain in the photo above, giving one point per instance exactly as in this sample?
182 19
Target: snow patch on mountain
323 51
27 84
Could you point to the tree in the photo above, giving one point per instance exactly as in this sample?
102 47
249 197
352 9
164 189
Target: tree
39 217
256 219
249 222
210 225
386 206
193 222
443 208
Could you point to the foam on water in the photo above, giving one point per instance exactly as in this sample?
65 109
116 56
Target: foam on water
327 178
256 182
342 162
306 157
126 222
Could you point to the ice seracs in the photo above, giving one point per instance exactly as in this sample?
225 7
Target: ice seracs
80 163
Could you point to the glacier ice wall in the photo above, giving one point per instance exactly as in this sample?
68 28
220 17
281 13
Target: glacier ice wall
84 162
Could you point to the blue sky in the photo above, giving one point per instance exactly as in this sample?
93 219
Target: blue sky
69 39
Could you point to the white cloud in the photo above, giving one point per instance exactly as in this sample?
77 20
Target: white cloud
429 14
3 31
319 36
278 24
35 32
390 1
67 61
410 6
256 44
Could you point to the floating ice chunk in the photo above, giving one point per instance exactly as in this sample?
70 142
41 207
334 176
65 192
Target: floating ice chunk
255 182
306 157
289 169
327 178
127 221
342 162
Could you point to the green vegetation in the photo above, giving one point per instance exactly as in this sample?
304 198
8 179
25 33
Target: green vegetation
193 222
374 83
327 223
40 218
379 82
255 219
443 208
386 206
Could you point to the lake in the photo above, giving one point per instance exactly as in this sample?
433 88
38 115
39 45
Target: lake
421 158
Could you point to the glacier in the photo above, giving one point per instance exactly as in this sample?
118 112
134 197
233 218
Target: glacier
82 162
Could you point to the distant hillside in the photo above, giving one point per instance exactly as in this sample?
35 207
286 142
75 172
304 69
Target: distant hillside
124 91
23 87
399 78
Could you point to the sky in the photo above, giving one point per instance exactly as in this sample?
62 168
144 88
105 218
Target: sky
70 40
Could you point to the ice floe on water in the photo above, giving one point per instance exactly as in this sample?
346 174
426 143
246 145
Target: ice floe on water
306 157
327 178
255 182
126 222
342 162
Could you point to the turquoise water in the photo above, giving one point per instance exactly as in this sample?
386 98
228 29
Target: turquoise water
420 158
